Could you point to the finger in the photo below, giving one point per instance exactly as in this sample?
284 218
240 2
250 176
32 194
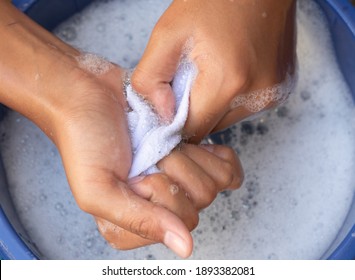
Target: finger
220 162
119 238
118 204
200 187
160 190
155 71
211 98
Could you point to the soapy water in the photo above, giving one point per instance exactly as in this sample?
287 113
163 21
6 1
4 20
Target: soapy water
298 159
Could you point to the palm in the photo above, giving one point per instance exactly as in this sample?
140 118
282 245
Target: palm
94 140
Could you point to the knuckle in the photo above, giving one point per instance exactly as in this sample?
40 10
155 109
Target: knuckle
186 148
209 118
234 177
140 80
85 204
227 177
207 195
207 199
190 219
210 187
228 154
163 27
237 83
142 227
193 221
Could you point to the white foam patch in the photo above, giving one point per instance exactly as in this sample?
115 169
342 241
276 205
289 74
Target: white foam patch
298 159
94 63
258 100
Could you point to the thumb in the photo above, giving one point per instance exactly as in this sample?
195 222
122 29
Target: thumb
119 205
154 73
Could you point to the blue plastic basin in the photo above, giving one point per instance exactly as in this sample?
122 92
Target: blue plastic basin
15 244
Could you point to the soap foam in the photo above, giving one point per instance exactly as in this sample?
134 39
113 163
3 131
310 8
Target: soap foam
258 100
298 159
94 63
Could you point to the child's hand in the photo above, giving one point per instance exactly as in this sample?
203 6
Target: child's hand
238 46
192 177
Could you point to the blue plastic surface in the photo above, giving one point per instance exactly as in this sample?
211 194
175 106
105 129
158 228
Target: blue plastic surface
11 245
341 17
343 33
346 249
49 13
23 5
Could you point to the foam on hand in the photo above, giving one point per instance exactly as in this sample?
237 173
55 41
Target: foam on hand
93 63
258 100
151 139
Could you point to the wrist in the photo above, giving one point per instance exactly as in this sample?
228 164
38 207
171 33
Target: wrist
31 59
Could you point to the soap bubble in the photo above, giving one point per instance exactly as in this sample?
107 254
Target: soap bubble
58 206
150 257
282 111
63 212
235 215
60 240
101 27
128 36
89 243
250 214
68 33
226 193
305 95
42 197
93 63
247 128
262 128
272 256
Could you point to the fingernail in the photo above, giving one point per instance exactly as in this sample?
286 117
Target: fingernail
208 147
135 180
176 244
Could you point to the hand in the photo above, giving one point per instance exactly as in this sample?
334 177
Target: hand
238 47
92 136
191 179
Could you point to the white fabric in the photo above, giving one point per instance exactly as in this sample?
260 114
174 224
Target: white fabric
152 140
